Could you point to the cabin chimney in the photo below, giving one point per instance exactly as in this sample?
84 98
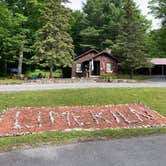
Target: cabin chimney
108 50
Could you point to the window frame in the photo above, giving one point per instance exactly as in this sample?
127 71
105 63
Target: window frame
78 68
109 68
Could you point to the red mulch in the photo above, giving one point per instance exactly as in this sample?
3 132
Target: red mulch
20 121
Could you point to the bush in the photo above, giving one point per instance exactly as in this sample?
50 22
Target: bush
32 74
106 77
57 73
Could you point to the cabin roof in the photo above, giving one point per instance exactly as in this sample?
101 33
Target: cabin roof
97 54
107 53
158 61
87 52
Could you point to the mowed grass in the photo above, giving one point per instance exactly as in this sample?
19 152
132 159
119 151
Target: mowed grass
155 98
59 137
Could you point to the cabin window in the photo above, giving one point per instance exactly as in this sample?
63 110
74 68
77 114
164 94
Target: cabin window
108 68
78 68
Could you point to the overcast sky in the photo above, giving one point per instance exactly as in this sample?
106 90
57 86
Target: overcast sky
143 5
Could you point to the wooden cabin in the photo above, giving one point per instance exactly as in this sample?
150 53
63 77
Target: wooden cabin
94 63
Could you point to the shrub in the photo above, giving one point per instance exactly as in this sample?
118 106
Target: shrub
106 77
32 74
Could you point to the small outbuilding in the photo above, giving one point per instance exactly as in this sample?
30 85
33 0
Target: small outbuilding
159 65
94 63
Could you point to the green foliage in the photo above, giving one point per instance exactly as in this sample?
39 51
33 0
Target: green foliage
90 36
47 30
132 39
21 19
102 26
106 77
161 40
6 26
97 26
155 43
19 22
158 8
78 24
57 73
54 46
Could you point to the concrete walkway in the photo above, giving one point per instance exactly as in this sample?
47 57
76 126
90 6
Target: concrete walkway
33 87
148 151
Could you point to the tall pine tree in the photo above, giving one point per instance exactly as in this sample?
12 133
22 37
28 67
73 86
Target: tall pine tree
132 39
54 46
103 21
77 24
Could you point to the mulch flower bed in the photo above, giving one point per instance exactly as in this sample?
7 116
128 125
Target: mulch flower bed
22 121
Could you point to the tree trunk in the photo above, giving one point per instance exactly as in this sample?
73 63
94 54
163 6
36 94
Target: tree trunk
5 68
20 61
131 74
162 70
150 71
51 71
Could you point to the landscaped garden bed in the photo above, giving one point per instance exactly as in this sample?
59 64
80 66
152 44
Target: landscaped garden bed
22 121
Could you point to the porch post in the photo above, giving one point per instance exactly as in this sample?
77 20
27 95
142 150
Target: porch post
162 70
150 71
90 69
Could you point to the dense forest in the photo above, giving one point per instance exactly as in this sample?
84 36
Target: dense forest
45 34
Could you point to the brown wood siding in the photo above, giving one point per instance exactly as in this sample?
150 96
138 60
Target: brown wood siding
87 57
104 59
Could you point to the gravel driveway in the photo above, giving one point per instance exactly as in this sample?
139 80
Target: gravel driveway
32 87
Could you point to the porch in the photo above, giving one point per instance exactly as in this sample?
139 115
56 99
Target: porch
90 69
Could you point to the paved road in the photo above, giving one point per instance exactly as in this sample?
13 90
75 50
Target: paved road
148 151
157 79
32 87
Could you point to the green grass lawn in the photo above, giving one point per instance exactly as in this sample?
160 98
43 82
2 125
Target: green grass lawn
10 80
152 97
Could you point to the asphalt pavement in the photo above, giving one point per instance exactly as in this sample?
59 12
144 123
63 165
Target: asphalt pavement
141 151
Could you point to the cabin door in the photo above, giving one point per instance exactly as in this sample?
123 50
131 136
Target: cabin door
96 71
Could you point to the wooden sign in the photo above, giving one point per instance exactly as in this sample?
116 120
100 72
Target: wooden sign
21 121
